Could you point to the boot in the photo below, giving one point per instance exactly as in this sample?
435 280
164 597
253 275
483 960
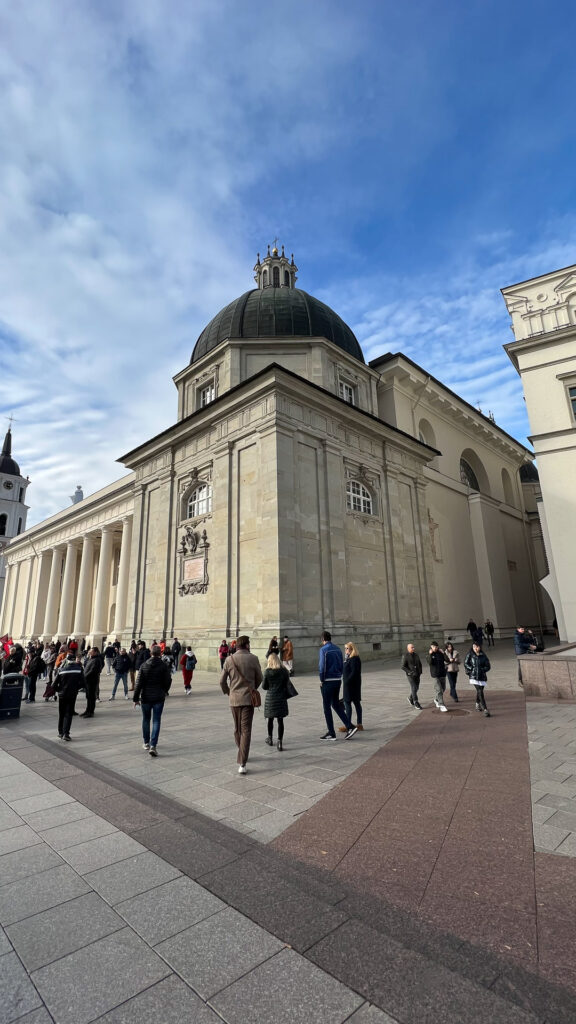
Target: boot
360 727
269 741
279 745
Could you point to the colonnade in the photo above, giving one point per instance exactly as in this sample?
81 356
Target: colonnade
74 586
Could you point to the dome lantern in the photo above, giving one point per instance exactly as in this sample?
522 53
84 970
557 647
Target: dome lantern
275 270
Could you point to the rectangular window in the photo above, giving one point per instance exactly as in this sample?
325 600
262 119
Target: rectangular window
572 398
346 391
207 394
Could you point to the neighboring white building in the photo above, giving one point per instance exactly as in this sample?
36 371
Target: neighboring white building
13 508
299 488
543 312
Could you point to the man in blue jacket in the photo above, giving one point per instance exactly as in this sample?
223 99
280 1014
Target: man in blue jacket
330 665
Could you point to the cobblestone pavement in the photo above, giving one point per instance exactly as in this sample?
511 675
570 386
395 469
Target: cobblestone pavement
552 744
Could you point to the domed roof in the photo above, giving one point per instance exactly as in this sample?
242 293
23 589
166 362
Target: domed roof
529 473
270 312
7 463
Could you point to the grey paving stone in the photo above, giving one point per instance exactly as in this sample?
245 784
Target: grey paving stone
17 838
218 951
27 862
98 853
130 877
9 766
541 813
17 787
39 801
88 983
568 847
370 1014
18 993
563 818
546 837
40 1016
169 909
32 894
554 800
272 824
168 1002
74 832
287 989
8 817
5 946
45 937
60 815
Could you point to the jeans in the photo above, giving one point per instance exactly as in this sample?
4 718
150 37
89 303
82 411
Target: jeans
108 663
414 687
439 687
480 698
452 678
120 676
358 708
330 691
153 711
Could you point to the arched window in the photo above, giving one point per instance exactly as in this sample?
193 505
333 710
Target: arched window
358 498
276 277
468 476
426 433
264 278
200 501
3 523
286 278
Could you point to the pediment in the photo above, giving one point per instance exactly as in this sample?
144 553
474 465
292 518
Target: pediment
567 284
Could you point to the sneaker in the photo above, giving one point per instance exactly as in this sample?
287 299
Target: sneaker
351 732
126 697
241 769
68 738
145 746
410 701
60 735
328 736
188 691
153 752
443 707
269 741
417 706
486 713
437 703
111 698
478 706
342 728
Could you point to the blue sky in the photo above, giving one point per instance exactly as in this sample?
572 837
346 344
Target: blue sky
416 158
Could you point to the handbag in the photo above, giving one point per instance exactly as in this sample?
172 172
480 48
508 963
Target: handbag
254 694
291 690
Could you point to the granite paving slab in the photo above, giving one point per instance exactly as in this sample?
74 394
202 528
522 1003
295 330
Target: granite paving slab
17 838
99 852
19 995
117 882
168 909
81 830
47 936
26 863
34 893
168 1002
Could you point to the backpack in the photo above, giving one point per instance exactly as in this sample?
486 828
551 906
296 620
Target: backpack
190 662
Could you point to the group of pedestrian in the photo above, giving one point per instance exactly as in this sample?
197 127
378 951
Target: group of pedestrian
479 634
444 666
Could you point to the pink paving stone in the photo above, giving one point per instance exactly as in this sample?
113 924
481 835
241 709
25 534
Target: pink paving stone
508 932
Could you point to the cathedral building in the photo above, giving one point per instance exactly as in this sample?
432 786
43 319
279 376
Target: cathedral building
13 508
300 488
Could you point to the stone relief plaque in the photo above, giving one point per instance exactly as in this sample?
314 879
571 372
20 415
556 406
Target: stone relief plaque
193 555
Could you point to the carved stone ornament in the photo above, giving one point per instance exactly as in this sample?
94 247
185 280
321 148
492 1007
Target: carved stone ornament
193 554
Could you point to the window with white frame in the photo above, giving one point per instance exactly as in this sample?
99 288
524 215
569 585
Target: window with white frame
346 391
358 498
200 501
572 399
207 394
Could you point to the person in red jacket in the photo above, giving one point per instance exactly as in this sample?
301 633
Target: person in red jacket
188 664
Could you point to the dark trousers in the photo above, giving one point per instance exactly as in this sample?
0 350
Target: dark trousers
331 701
357 707
32 679
414 687
154 712
480 698
452 678
490 639
270 722
65 713
91 688
243 717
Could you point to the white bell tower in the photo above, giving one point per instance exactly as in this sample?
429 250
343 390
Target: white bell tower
13 508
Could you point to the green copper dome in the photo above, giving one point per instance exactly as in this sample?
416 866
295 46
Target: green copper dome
284 312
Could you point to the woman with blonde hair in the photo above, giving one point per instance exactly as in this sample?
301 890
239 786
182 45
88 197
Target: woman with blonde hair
352 680
276 679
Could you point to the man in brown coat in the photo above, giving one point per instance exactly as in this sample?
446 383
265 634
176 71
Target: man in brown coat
288 655
240 676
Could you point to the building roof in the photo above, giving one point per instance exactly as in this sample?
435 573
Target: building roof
7 464
277 313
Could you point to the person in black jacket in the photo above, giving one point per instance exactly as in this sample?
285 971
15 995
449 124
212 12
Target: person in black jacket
352 684
476 666
121 665
68 681
438 663
142 655
15 660
412 666
92 669
35 668
153 683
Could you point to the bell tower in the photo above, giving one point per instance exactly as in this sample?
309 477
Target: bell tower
275 270
13 508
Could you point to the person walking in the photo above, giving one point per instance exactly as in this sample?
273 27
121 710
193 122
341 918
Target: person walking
241 676
273 647
412 666
223 652
452 669
438 663
132 669
489 631
153 683
142 655
69 680
352 685
275 682
34 669
476 666
175 652
471 627
109 655
330 668
92 669
288 654
188 664
121 665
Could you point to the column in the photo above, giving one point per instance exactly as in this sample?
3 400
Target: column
82 617
68 584
53 599
123 575
41 591
102 597
6 596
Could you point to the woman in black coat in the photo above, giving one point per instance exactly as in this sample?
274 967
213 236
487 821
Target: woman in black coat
352 680
275 682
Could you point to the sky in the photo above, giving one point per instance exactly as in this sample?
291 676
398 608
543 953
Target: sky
415 157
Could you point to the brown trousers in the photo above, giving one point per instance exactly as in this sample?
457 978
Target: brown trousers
243 730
